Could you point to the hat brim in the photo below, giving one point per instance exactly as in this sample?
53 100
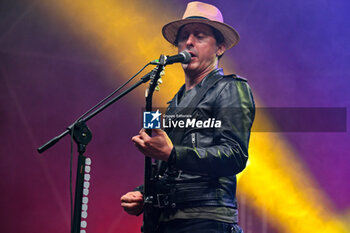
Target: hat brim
230 35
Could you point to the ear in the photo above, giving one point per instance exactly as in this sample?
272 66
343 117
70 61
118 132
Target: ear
221 49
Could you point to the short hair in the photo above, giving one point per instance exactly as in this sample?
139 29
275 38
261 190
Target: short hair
219 39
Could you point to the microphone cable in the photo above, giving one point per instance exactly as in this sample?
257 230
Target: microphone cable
110 95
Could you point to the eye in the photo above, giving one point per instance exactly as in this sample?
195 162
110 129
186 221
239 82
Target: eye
183 36
200 35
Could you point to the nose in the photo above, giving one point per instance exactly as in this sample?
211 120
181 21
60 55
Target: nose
190 41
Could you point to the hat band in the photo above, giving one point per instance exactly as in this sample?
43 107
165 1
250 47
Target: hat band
196 17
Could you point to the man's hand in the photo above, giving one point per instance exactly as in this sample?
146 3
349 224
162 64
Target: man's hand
157 147
132 202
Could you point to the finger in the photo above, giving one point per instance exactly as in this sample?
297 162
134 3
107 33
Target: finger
145 136
129 206
131 199
132 196
137 136
138 141
137 194
133 138
142 130
131 210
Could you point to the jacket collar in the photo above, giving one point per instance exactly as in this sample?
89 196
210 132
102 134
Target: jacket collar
217 71
176 105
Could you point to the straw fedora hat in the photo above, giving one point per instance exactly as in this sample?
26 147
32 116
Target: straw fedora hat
199 12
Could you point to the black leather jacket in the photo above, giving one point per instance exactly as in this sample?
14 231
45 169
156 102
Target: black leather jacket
204 164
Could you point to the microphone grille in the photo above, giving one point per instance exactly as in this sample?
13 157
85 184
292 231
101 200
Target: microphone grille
187 57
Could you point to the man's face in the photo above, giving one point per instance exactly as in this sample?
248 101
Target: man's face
198 39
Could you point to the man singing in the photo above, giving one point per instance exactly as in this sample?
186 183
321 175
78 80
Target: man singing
198 172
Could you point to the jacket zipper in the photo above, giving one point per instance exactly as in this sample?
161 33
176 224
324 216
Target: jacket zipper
193 136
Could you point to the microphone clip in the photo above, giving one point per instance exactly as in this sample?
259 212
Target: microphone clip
161 61
183 57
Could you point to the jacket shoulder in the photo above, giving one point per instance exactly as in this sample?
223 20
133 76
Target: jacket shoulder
235 77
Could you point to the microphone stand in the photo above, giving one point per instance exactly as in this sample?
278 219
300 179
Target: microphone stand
82 136
54 140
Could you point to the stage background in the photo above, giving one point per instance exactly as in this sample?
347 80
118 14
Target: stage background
58 58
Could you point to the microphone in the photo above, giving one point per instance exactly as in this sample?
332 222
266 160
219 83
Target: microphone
183 57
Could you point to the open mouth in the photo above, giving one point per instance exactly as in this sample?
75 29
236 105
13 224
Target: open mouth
192 54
